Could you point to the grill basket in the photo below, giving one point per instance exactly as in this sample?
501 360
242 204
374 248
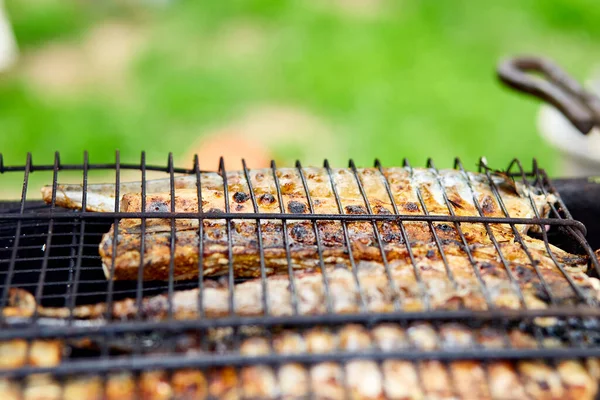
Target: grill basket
52 253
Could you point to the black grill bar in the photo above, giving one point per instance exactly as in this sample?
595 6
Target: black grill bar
230 275
422 289
317 217
55 246
72 254
432 229
13 256
311 208
109 297
56 328
58 224
486 294
172 247
346 235
392 284
580 236
172 362
545 285
264 290
172 250
200 242
105 340
96 166
261 251
33 286
42 278
546 243
286 243
494 188
89 294
140 277
72 295
492 237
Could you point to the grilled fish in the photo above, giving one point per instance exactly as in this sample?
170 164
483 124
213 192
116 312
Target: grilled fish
101 197
413 192
445 275
406 286
359 378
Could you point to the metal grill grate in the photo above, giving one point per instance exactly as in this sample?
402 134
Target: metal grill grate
52 253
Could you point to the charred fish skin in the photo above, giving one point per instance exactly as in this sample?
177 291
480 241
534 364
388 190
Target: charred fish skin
358 378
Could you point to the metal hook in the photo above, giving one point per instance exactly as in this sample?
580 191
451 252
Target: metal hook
555 86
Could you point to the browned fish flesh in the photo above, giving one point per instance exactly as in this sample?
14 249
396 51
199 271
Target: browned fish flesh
359 378
408 189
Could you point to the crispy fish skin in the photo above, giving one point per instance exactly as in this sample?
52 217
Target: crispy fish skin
359 378
303 243
101 197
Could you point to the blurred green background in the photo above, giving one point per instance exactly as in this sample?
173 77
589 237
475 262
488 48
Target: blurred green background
387 79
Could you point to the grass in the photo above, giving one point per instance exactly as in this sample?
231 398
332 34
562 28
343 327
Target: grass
416 82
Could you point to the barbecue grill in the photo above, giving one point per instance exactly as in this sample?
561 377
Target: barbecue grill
53 254
49 261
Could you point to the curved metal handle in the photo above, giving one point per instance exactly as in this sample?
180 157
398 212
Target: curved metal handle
581 107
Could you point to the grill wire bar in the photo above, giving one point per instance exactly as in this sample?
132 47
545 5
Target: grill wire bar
386 265
72 296
461 234
68 274
261 252
13 256
285 238
432 229
346 235
404 236
491 235
200 242
311 209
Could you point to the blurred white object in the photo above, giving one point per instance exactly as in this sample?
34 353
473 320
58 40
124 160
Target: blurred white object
580 154
8 44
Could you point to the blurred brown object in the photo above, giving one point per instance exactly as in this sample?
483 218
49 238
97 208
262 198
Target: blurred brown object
266 132
232 147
